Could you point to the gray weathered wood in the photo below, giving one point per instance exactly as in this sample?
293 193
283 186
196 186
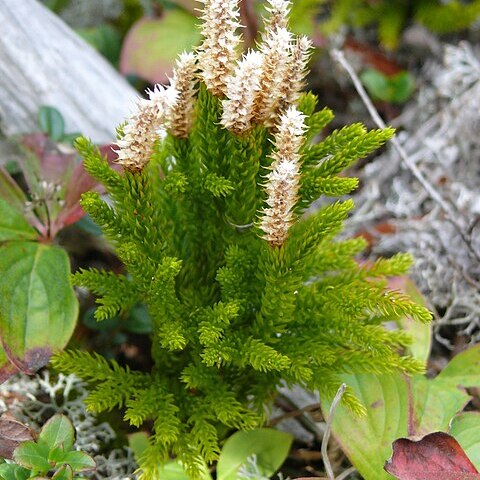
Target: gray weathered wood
44 62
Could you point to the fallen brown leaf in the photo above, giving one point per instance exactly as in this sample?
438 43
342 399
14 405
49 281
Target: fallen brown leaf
437 456
12 433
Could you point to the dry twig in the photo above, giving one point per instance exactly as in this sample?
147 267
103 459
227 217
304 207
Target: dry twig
451 212
328 429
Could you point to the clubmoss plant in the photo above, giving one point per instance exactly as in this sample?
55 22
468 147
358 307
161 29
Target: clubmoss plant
245 289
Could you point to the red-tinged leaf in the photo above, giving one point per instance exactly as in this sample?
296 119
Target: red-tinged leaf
109 152
55 163
373 57
372 235
68 217
38 307
12 433
7 369
437 456
152 45
189 5
81 182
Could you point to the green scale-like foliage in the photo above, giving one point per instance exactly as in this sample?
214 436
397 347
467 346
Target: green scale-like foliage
234 316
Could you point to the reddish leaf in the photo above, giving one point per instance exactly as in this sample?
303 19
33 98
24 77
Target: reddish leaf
377 231
81 182
55 162
437 456
153 44
7 369
190 6
12 433
373 57
109 152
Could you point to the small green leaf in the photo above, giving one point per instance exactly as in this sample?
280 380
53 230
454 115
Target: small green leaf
79 461
13 225
105 39
463 369
11 192
10 471
376 83
22 473
270 446
394 89
51 122
172 471
58 432
89 320
138 443
33 456
64 473
402 87
465 428
7 471
38 307
175 471
367 441
139 321
89 226
56 455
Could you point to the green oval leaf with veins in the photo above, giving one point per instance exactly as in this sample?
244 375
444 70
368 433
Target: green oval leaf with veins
33 456
367 441
58 432
465 428
38 307
13 225
269 446
79 461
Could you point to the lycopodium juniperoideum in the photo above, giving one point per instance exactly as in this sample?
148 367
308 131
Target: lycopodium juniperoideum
246 285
